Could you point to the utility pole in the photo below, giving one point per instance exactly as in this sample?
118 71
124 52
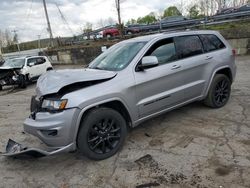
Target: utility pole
16 39
48 22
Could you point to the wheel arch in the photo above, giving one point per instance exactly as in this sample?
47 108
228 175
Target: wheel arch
49 68
226 70
116 104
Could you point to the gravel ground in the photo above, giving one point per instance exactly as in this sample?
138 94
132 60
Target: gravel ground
193 146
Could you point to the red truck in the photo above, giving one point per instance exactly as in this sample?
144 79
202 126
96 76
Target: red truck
110 32
113 31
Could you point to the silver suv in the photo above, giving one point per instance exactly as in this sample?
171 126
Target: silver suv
91 109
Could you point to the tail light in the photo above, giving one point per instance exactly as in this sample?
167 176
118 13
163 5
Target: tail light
234 52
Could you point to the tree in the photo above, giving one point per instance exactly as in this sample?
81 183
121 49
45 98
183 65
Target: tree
171 11
7 36
105 22
150 18
131 21
87 27
194 12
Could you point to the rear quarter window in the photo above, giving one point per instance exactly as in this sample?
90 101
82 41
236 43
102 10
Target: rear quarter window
188 46
211 42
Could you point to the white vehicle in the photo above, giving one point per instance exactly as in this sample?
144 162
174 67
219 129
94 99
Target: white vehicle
19 71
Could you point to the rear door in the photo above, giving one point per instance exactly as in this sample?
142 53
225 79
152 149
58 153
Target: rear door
193 62
40 65
32 70
38 68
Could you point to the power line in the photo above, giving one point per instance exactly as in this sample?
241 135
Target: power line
29 11
64 19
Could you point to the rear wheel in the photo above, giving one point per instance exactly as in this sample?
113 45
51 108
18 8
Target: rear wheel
109 36
219 92
1 87
102 133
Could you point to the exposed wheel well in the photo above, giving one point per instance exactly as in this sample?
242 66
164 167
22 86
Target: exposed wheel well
227 72
116 105
49 68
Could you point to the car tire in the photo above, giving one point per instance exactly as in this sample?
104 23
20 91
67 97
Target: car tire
102 133
129 33
219 92
109 36
1 87
22 81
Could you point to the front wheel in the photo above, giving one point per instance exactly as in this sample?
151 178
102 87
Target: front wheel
219 92
102 133
22 81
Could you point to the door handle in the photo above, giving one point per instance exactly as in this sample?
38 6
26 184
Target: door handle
209 57
175 67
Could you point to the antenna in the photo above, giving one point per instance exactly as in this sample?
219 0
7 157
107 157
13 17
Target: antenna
48 22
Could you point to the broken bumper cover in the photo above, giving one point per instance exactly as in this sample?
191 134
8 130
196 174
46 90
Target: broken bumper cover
54 129
14 149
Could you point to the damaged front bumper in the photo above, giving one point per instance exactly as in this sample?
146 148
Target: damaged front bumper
14 149
56 130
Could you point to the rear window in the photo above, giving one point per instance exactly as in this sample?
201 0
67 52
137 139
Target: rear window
211 43
187 46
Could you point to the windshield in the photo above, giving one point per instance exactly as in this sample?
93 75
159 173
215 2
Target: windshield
117 57
14 63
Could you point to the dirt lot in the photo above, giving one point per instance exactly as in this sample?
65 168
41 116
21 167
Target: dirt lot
190 147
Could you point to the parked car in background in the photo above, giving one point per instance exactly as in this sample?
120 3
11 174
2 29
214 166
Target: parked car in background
132 29
110 32
173 19
19 71
91 109
226 11
244 8
114 31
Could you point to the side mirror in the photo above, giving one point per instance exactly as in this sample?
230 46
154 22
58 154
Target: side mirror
148 62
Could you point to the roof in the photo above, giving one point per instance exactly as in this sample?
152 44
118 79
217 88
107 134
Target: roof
148 38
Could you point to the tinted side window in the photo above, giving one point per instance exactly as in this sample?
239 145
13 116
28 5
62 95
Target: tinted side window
187 46
31 60
211 43
164 50
40 60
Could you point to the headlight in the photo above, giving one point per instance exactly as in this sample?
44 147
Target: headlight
54 104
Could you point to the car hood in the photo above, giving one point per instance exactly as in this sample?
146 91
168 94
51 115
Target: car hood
53 81
10 68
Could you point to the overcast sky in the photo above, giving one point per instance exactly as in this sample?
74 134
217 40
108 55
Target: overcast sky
28 16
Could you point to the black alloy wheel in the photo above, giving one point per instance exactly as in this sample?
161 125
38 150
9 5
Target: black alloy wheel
219 92
104 136
222 92
102 133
